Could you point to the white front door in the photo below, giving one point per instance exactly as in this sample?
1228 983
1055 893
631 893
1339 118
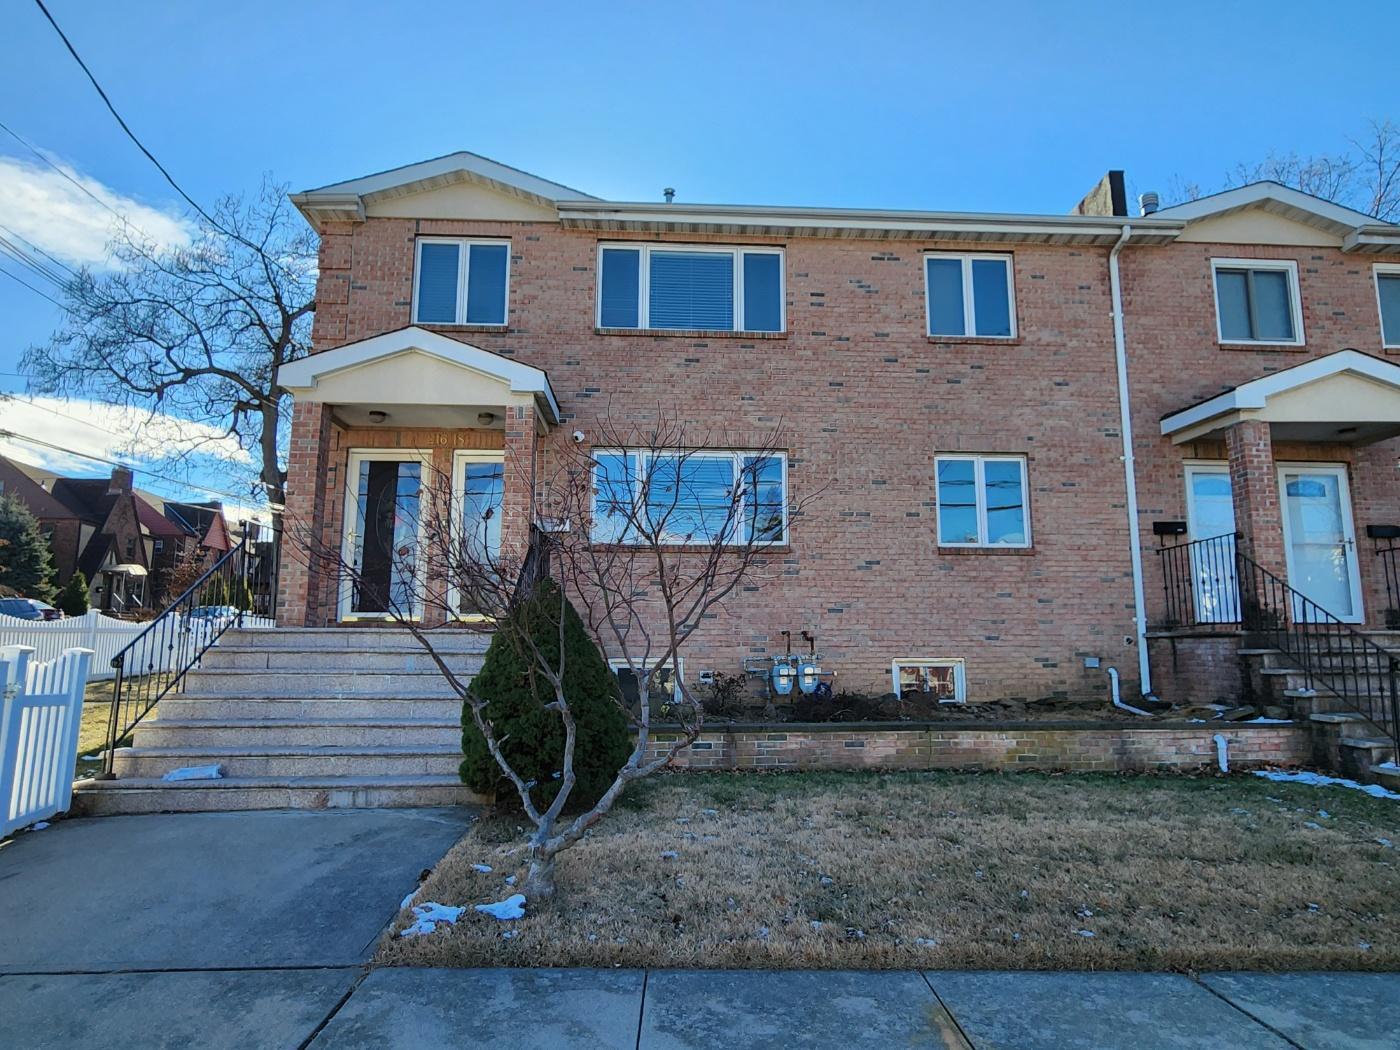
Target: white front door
1210 516
385 505
1319 540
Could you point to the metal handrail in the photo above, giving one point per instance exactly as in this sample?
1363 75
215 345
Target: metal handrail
1389 558
155 663
1211 585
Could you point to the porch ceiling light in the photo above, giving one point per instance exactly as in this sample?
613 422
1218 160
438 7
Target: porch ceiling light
485 419
378 415
130 569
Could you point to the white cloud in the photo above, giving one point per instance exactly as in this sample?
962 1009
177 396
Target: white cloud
46 209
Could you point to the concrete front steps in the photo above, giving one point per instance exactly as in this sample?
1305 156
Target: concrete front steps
305 718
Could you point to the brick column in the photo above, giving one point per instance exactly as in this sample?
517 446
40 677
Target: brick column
1254 488
518 495
299 585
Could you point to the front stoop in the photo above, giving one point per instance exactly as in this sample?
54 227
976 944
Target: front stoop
301 718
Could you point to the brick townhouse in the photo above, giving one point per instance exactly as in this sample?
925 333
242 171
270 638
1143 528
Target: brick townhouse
953 388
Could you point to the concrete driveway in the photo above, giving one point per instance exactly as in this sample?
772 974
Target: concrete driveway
209 929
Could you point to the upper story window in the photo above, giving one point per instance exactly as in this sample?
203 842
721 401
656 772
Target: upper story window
690 497
1388 295
458 281
690 287
970 295
982 501
1256 301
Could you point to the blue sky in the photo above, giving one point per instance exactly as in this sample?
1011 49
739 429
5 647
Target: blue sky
1014 106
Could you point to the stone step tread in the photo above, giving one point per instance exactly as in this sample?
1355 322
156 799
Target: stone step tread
291 751
301 698
378 650
228 783
1259 652
1338 716
313 672
302 723
1365 741
1302 694
1386 770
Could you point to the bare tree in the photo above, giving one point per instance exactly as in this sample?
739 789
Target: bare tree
201 332
647 543
1365 177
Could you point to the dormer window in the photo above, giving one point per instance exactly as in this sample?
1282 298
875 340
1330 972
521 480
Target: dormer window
1256 301
458 281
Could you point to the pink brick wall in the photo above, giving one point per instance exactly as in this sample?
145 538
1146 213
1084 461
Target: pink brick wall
867 399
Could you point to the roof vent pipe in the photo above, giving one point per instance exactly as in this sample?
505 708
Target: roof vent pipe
669 193
1149 202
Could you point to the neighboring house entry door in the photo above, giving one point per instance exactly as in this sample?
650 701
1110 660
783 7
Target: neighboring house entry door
1210 516
1319 539
385 503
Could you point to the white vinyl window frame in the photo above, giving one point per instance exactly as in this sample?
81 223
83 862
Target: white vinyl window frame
735 456
736 252
460 458
464 256
1387 271
678 676
980 461
958 665
1295 299
969 299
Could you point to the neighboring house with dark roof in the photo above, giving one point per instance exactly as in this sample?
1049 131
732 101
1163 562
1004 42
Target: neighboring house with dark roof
126 542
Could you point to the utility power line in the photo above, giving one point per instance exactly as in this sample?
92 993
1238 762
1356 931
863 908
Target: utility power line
125 466
42 295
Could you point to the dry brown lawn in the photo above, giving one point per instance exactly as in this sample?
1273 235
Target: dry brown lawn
943 871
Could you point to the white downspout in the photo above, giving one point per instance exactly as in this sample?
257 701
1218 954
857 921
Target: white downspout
1125 424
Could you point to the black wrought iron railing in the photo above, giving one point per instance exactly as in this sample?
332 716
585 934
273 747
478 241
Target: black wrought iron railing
1211 585
230 593
1388 558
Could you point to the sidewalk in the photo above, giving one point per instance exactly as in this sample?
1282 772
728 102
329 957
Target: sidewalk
254 930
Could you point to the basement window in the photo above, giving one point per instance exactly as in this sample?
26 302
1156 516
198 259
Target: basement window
970 295
1256 301
665 685
695 288
459 281
942 679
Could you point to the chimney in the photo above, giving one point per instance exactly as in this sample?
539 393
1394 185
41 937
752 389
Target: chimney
1148 202
1107 198
121 481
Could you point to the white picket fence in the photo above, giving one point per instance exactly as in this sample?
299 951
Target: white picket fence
104 635
41 707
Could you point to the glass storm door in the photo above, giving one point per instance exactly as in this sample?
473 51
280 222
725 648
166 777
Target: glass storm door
1319 540
1210 516
480 486
382 536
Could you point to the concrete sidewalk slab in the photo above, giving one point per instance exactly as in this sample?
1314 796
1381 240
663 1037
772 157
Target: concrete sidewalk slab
1322 1011
489 1010
207 890
1060 1011
154 1011
746 1010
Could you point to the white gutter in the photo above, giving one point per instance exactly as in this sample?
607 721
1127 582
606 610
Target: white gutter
1125 423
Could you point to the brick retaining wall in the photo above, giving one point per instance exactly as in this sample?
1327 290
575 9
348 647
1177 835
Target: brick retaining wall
1067 746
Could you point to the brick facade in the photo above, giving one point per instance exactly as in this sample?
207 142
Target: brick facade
866 400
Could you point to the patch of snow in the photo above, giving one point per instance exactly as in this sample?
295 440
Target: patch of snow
1085 933
510 880
1386 843
1261 721
709 812
669 854
484 869
1084 913
1389 767
513 907
926 942
1365 946
1314 907
763 933
1321 780
816 924
508 934
1312 824
195 773
1324 814
429 915
407 900
39 825
827 880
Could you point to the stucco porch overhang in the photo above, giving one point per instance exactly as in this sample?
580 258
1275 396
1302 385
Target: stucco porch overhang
1347 397
419 378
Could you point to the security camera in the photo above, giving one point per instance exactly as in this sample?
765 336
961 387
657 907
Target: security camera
578 437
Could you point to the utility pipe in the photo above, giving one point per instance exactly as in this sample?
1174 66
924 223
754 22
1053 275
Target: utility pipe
1125 424
1118 700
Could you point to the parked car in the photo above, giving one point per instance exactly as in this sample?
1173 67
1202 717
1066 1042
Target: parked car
213 613
29 609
